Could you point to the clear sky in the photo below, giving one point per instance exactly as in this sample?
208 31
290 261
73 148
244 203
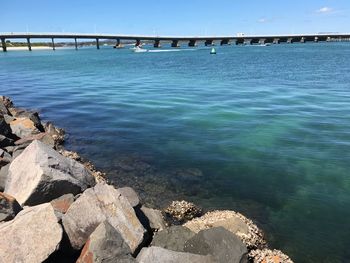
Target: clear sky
177 17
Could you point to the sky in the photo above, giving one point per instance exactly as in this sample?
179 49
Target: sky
177 17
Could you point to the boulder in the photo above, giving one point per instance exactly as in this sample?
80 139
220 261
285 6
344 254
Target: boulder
154 217
130 195
105 244
5 158
234 222
3 176
5 129
158 254
6 101
267 256
43 137
173 238
40 174
95 205
23 127
62 203
3 108
31 237
179 212
9 118
5 141
9 207
224 246
55 133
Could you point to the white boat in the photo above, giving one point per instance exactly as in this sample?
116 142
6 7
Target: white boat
139 50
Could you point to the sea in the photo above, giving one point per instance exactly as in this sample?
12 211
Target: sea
262 130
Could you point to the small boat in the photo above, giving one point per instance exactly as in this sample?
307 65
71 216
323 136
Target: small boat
139 50
213 51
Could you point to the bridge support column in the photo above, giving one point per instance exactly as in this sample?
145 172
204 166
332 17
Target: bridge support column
192 43
53 44
276 41
157 43
262 41
138 43
247 41
75 44
118 44
224 42
209 42
316 39
290 40
29 44
175 43
97 43
3 43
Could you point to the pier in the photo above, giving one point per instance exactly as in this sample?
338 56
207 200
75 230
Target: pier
176 41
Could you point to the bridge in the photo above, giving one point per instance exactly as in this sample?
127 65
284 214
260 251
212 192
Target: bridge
175 40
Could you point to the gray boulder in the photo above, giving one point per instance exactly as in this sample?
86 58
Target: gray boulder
3 176
158 254
155 218
5 141
24 127
31 237
224 246
130 195
9 207
105 244
40 174
96 205
173 238
3 108
4 127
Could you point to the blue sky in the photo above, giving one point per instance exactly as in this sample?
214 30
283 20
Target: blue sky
177 17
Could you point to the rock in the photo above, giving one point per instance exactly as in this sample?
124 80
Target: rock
5 160
268 256
234 222
43 137
62 203
3 176
105 244
3 108
55 133
5 154
6 101
5 129
179 212
130 195
23 127
9 207
224 246
40 174
32 236
4 141
158 254
173 238
155 218
95 205
8 118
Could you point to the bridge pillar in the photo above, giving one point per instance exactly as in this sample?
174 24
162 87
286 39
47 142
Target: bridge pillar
29 44
290 40
192 43
302 40
328 39
248 41
262 41
53 44
97 43
316 39
175 43
276 41
224 42
209 42
75 43
3 43
157 43
118 44
138 43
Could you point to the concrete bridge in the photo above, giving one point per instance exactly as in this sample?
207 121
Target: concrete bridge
176 40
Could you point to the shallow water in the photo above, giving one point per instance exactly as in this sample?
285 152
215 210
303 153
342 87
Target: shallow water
261 130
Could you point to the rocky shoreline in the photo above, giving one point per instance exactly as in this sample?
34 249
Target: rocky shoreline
56 207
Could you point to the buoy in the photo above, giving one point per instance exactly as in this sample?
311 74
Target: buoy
213 51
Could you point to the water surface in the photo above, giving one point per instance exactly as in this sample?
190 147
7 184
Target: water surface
261 130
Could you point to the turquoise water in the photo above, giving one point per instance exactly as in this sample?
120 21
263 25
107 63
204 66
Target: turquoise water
261 130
